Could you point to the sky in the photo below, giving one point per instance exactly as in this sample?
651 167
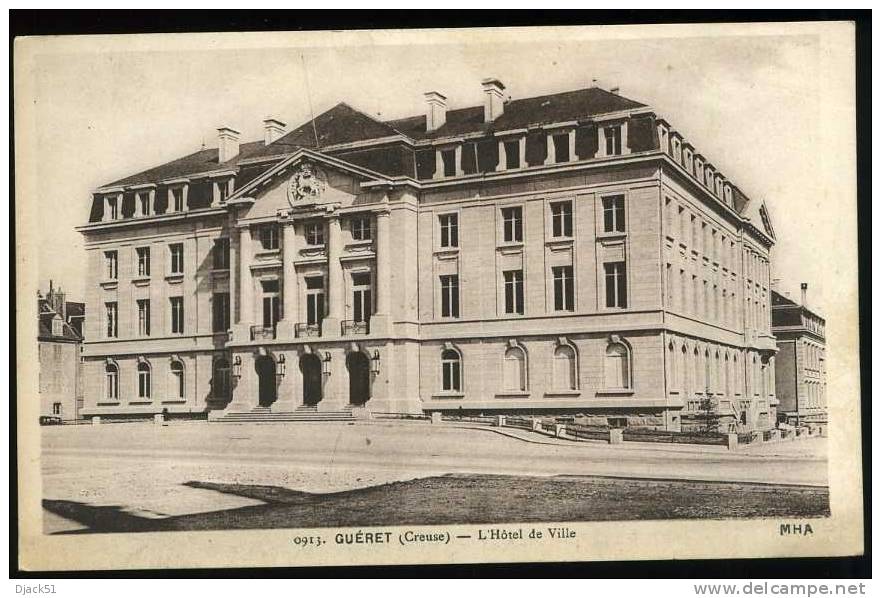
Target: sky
751 101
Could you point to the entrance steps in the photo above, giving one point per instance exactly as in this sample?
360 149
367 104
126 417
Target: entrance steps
303 414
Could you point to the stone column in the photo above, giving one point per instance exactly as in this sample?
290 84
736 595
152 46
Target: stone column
290 312
336 287
572 156
233 270
522 146
246 312
380 321
458 159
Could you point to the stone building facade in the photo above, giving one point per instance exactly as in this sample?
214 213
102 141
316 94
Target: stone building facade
59 344
801 360
569 253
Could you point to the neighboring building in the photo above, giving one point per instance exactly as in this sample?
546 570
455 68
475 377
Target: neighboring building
801 360
59 343
569 253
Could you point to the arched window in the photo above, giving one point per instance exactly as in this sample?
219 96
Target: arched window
737 387
111 387
565 372
176 385
515 369
727 377
617 366
717 375
451 370
671 366
683 358
143 380
708 373
696 381
220 379
753 377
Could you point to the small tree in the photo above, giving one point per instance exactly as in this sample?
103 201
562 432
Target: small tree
708 417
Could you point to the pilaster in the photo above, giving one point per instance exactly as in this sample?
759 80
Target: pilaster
336 287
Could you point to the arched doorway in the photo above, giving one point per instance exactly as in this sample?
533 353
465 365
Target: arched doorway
310 366
359 378
265 367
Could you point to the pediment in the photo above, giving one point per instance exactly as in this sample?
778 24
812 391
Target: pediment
306 182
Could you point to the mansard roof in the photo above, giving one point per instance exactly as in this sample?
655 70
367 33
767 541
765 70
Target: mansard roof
343 124
519 114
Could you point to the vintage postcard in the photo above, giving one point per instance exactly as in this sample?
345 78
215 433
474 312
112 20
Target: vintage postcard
438 296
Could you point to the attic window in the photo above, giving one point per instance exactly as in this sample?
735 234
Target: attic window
449 158
177 199
512 154
561 147
57 327
613 140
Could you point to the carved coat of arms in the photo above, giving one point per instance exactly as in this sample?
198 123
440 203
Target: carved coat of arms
307 183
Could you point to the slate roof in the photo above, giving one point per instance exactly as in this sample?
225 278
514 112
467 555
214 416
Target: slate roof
344 124
47 314
518 114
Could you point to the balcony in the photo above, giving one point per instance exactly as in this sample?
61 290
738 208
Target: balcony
306 330
262 333
353 327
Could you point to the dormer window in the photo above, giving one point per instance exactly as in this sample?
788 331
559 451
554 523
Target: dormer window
112 207
449 160
143 199
561 147
512 154
57 326
613 140
223 190
177 199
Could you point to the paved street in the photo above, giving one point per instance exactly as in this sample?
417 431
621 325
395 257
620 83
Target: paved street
142 468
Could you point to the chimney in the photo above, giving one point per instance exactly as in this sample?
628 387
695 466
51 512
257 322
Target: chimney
227 144
56 301
804 293
272 129
435 110
493 99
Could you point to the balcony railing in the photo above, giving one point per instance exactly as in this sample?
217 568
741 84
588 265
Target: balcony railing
262 333
350 327
302 330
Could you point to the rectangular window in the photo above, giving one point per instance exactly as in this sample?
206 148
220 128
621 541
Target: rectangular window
613 214
112 319
220 312
223 190
314 233
177 314
144 203
513 224
111 265
177 199
56 408
314 300
220 254
561 147
271 306
613 140
513 291
362 298
616 284
143 261
360 227
449 159
177 258
113 207
564 288
449 229
269 237
512 155
451 374
450 296
143 317
561 218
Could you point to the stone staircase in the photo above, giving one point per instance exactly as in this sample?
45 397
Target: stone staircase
302 414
